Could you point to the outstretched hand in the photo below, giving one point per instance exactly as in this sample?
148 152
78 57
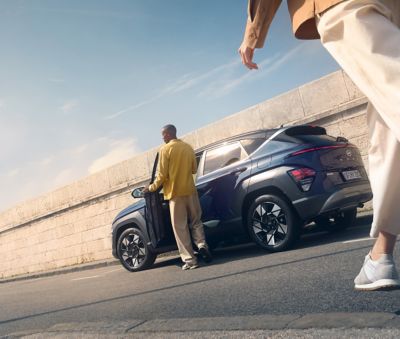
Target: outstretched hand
246 54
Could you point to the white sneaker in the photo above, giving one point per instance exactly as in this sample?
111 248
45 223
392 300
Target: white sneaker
189 266
377 274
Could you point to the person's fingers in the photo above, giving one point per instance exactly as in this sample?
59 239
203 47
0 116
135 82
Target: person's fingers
246 55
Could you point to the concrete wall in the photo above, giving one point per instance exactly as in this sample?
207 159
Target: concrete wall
71 225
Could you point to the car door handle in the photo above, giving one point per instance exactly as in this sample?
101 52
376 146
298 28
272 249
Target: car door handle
237 171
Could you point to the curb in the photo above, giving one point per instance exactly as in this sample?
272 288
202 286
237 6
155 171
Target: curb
268 322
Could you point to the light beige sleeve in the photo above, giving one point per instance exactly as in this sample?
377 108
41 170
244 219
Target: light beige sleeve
260 16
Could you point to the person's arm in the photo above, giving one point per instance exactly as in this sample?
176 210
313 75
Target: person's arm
260 16
162 174
194 164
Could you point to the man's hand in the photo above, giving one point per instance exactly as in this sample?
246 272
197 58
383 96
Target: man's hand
246 53
146 189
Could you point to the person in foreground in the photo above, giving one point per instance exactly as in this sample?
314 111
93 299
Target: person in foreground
176 168
363 36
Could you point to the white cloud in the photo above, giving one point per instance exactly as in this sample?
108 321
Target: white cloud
14 172
119 150
132 108
62 168
69 105
45 161
224 86
64 177
186 82
218 81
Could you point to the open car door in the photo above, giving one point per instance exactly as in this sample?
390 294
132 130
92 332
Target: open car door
158 220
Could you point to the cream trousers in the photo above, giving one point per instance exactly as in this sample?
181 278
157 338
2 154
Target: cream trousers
186 223
363 36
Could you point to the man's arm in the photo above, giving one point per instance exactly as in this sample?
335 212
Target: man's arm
194 164
260 15
162 174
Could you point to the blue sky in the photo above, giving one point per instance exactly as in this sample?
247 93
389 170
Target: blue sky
86 84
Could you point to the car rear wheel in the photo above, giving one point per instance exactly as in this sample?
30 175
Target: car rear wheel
133 252
272 224
339 222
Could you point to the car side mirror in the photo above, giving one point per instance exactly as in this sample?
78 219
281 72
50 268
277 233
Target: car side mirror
138 192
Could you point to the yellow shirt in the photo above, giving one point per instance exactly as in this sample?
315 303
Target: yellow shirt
177 164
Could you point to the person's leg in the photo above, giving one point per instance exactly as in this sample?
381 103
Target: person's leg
384 244
379 270
197 228
384 165
362 38
179 217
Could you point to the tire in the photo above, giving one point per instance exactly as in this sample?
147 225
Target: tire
339 222
133 251
272 223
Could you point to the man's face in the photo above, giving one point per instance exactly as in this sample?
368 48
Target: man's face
166 136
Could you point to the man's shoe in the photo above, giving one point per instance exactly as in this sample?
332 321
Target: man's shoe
189 266
205 254
377 275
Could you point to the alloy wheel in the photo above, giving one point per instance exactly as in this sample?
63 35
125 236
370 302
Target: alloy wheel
133 250
269 223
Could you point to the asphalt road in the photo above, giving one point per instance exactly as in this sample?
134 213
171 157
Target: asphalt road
316 277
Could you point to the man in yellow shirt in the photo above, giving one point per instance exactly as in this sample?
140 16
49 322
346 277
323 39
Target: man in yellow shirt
176 168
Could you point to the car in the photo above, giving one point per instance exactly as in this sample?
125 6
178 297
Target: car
265 186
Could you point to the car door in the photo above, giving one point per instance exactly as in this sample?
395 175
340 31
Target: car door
220 183
158 220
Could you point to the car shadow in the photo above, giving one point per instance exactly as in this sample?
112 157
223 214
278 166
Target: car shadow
311 237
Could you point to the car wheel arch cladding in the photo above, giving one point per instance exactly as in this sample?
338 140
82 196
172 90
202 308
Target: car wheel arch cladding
269 190
130 221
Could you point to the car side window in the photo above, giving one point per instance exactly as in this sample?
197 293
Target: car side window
223 156
250 145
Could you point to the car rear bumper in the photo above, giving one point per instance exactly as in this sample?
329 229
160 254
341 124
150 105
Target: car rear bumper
341 199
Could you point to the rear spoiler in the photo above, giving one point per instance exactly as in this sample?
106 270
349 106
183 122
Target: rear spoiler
305 129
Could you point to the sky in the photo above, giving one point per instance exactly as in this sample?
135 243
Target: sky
87 84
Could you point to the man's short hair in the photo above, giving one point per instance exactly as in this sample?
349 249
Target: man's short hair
171 129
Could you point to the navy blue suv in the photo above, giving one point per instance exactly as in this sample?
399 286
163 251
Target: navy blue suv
264 185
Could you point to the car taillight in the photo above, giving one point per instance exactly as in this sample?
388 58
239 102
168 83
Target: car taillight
304 177
313 149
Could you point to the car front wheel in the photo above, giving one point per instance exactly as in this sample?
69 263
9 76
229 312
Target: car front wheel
272 224
133 252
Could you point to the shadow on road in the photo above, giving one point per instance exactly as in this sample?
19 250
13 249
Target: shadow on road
311 237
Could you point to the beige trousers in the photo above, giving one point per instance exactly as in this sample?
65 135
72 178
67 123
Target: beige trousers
363 36
186 223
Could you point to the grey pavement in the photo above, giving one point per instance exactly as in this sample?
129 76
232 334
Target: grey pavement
306 292
329 325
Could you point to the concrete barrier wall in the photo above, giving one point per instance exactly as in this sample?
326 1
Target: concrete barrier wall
72 224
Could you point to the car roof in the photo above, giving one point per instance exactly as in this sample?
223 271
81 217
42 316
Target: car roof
290 130
264 133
